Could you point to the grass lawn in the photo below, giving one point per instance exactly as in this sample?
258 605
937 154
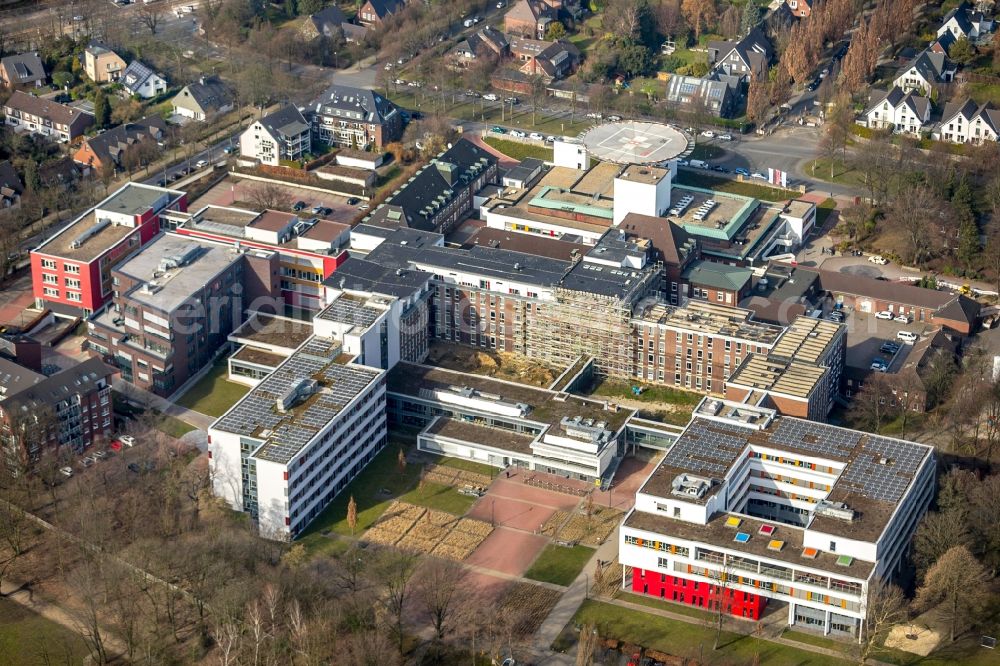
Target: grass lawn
842 174
467 465
686 640
213 394
559 564
813 639
615 388
170 425
28 639
442 498
705 151
984 92
519 151
652 602
762 192
823 212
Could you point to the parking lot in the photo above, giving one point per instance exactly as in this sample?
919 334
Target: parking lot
241 192
866 334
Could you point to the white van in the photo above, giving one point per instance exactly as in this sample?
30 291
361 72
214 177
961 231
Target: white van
698 164
908 336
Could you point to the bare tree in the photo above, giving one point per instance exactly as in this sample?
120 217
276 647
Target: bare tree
586 645
958 585
699 14
871 407
885 606
150 16
267 195
437 587
394 571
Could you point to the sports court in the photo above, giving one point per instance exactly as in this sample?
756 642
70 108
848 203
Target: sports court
635 142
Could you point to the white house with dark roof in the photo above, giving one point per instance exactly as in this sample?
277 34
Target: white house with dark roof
967 122
926 72
751 55
203 99
283 135
140 80
902 112
964 21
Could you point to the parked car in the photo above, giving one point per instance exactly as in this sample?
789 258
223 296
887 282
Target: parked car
127 440
353 201
907 336
615 119
719 168
467 23
884 314
364 206
725 137
317 209
550 139
536 136
708 134
513 101
490 97
501 4
496 129
471 93
87 461
878 259
595 115
879 365
902 318
758 175
66 471
741 171
836 316
518 133
101 455
299 205
682 163
889 347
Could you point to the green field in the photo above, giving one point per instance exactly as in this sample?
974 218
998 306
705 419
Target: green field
170 425
213 394
559 564
669 606
519 151
823 212
442 498
618 389
682 639
28 639
762 192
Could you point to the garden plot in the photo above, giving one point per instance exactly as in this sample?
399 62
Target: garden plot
456 478
428 531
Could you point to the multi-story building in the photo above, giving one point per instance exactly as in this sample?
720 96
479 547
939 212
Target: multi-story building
749 508
70 408
101 64
44 117
281 136
355 118
309 249
71 270
175 304
440 195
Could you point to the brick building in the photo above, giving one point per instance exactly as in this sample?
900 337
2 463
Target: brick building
355 118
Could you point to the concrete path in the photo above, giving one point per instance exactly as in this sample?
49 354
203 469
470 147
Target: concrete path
189 416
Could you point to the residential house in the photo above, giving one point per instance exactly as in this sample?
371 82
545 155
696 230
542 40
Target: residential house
63 172
43 117
714 94
11 187
327 21
204 99
40 413
927 72
964 21
110 147
967 122
440 195
353 33
548 61
751 56
375 12
355 117
140 80
942 44
800 8
902 112
282 135
22 69
528 18
485 43
101 64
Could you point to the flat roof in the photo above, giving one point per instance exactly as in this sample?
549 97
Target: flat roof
258 357
718 276
727 214
529 243
267 329
167 289
272 220
233 217
546 406
598 179
643 174
474 433
717 533
711 319
285 433
635 142
806 339
761 372
353 310
95 234
720 432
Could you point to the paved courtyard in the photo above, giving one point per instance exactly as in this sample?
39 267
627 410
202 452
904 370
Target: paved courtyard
239 189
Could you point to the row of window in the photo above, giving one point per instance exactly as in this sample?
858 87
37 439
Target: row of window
69 268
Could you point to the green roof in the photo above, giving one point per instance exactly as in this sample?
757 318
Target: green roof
718 276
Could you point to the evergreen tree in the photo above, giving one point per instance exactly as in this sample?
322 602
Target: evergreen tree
102 109
750 18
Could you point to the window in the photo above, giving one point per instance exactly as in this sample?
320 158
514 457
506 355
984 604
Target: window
833 546
72 268
49 291
72 283
49 263
73 296
48 278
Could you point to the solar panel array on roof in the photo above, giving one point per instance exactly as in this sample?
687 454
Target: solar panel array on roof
708 447
883 469
350 311
286 433
825 440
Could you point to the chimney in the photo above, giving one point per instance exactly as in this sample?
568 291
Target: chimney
201 79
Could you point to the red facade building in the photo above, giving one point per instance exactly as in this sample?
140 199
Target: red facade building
71 270
699 594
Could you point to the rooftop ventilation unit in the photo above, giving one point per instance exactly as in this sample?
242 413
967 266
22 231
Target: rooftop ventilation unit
86 235
690 486
181 259
303 389
837 510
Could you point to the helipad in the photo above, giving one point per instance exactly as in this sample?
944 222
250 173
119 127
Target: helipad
635 142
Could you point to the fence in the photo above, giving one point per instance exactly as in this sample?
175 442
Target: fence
556 487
